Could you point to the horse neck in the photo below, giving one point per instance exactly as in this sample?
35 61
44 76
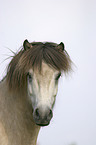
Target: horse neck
19 110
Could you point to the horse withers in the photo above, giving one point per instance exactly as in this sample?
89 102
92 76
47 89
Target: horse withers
28 92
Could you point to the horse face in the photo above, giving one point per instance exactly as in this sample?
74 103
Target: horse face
42 91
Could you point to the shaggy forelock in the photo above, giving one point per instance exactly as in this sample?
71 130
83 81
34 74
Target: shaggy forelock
32 58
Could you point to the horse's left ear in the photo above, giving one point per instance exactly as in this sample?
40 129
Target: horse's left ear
27 45
61 46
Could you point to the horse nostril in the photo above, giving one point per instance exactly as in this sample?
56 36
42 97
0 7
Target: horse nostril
50 115
37 112
50 112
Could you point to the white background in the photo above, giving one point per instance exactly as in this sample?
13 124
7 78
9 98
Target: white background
74 23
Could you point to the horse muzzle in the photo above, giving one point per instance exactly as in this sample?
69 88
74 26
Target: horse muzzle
42 116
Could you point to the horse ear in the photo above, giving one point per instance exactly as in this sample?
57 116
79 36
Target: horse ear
61 46
27 45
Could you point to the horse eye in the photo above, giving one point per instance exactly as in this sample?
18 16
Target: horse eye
29 77
58 76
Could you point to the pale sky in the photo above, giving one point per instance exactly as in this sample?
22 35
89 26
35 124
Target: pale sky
74 23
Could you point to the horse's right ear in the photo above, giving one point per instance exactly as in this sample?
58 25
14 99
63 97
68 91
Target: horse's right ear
27 45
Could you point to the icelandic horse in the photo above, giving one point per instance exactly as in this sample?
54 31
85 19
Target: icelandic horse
28 91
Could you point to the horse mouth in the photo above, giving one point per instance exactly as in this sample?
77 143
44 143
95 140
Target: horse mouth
43 124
